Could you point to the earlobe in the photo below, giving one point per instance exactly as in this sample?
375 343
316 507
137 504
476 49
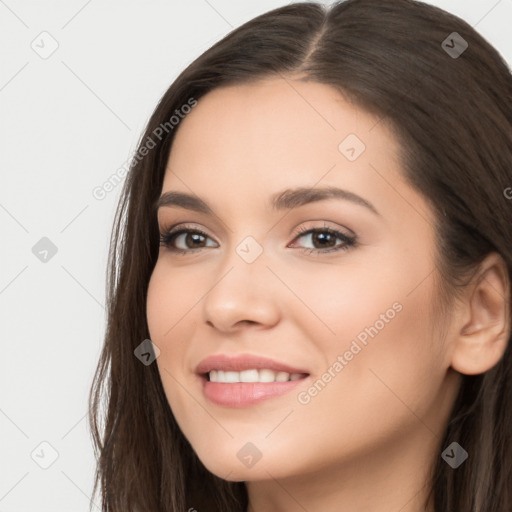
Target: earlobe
484 334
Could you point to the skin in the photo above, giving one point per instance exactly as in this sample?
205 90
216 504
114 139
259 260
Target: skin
366 441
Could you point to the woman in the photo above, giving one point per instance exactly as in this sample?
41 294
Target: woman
309 294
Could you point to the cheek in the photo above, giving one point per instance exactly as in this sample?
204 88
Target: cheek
336 303
385 361
170 307
170 303
171 299
373 334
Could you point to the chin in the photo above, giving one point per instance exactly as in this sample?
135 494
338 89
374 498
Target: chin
231 472
230 468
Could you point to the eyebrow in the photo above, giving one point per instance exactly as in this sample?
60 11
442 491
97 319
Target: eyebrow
286 199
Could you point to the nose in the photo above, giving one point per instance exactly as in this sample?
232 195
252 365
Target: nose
242 294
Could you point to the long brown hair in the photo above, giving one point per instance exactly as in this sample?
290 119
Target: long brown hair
452 115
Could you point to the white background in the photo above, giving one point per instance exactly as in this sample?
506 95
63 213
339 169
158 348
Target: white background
68 122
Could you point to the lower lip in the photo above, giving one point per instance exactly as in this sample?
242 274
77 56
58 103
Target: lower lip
243 394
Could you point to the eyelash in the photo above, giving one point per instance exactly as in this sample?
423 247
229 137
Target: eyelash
169 236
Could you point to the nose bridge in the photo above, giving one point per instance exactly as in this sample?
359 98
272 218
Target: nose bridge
240 290
247 260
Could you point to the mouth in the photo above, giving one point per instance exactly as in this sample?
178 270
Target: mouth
261 375
242 380
249 387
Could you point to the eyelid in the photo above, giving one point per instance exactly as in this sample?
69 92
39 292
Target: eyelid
294 232
182 225
327 226
165 218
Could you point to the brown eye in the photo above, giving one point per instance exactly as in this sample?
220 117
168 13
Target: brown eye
184 240
325 239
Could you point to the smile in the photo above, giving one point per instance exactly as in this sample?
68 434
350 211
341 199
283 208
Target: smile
252 375
239 394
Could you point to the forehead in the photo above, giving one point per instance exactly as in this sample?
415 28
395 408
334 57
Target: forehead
281 127
242 143
279 108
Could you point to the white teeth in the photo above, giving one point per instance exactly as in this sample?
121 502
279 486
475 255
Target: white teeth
249 376
267 376
252 375
282 377
231 377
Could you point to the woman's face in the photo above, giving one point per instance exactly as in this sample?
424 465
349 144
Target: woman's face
349 304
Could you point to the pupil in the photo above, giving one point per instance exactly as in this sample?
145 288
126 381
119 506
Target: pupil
322 237
195 237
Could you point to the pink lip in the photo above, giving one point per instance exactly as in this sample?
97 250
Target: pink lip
243 394
242 362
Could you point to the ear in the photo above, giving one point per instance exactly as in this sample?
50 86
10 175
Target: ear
484 329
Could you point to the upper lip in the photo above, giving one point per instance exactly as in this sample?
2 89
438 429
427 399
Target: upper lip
241 362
